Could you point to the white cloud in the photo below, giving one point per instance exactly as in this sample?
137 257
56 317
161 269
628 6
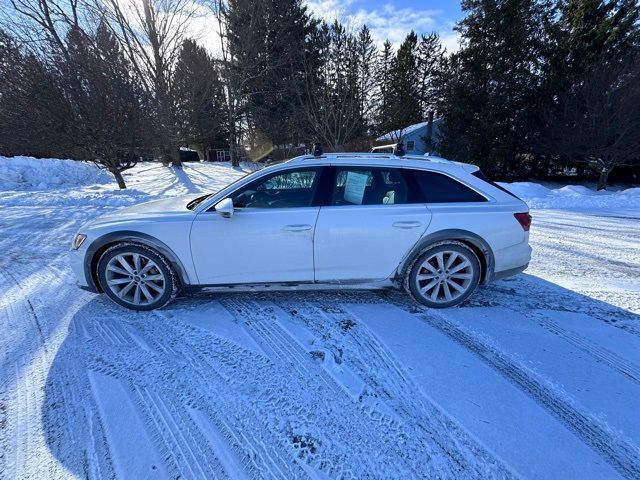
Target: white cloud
387 22
450 40
329 9
203 28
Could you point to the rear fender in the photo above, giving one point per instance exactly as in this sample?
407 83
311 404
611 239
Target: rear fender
474 241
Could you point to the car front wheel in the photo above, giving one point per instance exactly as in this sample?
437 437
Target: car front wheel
444 275
136 277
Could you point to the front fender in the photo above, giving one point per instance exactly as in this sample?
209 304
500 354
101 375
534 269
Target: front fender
100 244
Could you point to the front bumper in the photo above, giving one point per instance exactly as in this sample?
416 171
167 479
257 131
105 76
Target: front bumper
77 263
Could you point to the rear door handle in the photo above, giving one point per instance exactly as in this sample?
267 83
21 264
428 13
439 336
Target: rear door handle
297 228
407 224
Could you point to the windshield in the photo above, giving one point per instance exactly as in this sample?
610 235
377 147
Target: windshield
194 203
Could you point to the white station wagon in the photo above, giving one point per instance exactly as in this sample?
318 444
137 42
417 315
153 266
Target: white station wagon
434 227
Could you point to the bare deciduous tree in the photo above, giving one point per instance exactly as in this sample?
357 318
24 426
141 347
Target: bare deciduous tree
598 122
330 96
152 33
231 81
39 23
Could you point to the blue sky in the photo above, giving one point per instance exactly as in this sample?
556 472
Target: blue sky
394 19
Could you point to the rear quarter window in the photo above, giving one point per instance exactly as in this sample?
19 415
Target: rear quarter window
439 188
480 174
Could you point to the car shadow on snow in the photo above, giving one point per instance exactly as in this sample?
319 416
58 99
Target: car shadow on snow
122 388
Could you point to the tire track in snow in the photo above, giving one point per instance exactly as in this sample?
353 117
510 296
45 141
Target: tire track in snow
396 389
44 412
412 418
615 361
82 451
261 321
23 371
622 455
180 435
114 352
261 459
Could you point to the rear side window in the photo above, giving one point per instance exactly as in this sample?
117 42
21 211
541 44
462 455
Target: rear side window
439 188
369 186
480 174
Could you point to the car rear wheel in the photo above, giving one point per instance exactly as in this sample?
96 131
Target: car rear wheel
444 275
136 277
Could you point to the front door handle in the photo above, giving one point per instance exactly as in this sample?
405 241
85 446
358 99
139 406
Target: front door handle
297 228
407 224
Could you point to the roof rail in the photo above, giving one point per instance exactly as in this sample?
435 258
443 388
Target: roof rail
372 155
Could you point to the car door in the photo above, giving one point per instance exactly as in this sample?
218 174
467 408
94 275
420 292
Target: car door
269 237
372 221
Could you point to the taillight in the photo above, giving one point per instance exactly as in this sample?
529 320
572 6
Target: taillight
524 219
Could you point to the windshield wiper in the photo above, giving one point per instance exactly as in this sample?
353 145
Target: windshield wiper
194 203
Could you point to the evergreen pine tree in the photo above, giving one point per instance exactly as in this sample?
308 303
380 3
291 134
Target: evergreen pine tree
430 62
383 89
494 81
398 86
267 43
199 98
367 55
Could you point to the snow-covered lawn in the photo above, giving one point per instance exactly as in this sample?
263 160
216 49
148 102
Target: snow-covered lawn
536 376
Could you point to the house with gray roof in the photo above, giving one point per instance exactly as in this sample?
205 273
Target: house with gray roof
418 139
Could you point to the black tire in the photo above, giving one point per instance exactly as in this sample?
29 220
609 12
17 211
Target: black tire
463 252
161 266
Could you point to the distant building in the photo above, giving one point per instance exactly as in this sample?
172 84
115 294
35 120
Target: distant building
188 155
224 154
418 139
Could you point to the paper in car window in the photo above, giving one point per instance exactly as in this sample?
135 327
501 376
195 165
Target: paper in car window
354 187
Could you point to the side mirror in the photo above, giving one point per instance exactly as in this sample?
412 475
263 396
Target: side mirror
225 207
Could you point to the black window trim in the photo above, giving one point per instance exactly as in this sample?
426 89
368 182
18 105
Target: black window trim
324 188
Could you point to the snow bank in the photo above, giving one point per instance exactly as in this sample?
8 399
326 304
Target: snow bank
574 196
18 173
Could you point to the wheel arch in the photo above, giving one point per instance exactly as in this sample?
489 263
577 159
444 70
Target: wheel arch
474 241
101 244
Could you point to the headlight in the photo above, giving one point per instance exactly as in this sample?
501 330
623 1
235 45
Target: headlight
78 241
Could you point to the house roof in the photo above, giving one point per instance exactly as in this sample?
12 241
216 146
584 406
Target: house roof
395 135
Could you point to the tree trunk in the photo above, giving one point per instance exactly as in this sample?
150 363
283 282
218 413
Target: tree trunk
119 178
232 142
603 179
171 156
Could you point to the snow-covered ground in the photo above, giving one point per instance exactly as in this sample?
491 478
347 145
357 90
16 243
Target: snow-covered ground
537 376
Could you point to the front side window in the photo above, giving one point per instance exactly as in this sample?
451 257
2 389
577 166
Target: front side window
440 188
279 190
410 145
369 186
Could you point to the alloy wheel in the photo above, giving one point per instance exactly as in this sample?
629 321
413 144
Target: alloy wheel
444 276
135 278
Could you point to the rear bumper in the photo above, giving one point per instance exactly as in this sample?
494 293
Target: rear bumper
508 273
511 260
